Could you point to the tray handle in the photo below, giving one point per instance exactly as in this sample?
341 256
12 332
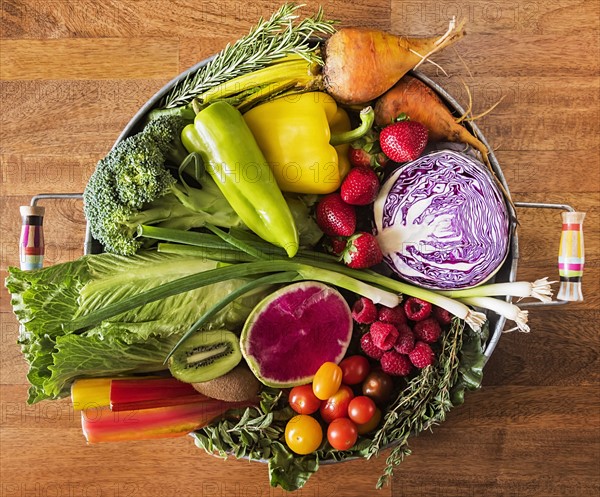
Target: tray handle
31 244
571 254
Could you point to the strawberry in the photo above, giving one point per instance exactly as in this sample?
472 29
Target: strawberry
359 157
366 152
403 141
335 217
335 245
362 251
360 186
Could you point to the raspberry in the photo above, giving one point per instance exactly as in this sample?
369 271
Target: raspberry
422 355
395 364
384 335
442 315
406 340
428 330
364 311
417 309
369 348
394 315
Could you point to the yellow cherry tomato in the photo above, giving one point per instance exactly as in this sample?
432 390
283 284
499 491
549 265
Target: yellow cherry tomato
327 380
303 434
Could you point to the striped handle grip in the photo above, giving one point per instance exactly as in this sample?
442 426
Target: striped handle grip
571 257
31 246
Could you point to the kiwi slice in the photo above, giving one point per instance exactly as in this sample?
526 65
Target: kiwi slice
236 386
205 356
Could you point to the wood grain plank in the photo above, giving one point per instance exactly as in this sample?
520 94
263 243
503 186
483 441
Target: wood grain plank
549 171
564 338
56 422
419 17
495 440
533 430
13 367
29 19
102 58
79 117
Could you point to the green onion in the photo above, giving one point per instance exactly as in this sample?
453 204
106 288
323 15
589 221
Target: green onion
539 289
221 255
272 279
381 283
242 270
503 308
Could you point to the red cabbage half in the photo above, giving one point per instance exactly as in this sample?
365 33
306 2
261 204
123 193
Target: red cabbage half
442 222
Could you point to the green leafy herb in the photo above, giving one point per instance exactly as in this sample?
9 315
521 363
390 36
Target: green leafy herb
269 41
427 398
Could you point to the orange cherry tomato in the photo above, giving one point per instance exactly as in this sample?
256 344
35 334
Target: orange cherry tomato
327 380
303 434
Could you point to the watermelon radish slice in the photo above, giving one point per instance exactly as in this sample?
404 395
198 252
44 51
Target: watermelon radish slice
294 330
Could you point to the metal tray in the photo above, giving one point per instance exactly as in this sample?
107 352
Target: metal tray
508 270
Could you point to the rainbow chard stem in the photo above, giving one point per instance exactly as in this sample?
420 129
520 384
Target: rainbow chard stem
104 425
147 393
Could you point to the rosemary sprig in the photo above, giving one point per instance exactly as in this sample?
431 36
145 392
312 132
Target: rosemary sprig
422 404
269 41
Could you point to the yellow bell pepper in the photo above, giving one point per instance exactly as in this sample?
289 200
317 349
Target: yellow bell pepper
305 140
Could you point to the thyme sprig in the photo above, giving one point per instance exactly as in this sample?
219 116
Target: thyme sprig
422 404
267 42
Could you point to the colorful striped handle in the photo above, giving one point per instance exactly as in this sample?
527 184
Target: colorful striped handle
571 257
31 246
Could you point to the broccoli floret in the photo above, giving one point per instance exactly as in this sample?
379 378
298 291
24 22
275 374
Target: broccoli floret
166 131
132 185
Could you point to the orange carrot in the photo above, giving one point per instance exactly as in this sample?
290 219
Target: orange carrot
417 100
362 64
420 103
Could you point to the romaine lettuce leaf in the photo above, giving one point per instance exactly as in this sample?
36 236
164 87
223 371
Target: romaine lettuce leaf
135 341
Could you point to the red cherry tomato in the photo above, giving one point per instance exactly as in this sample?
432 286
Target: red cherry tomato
303 400
370 425
336 406
361 409
327 380
354 369
342 434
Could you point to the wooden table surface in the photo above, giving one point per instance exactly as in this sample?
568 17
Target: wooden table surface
72 74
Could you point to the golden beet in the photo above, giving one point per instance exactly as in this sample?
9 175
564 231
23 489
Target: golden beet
361 64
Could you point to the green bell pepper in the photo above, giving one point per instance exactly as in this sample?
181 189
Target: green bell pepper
233 159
